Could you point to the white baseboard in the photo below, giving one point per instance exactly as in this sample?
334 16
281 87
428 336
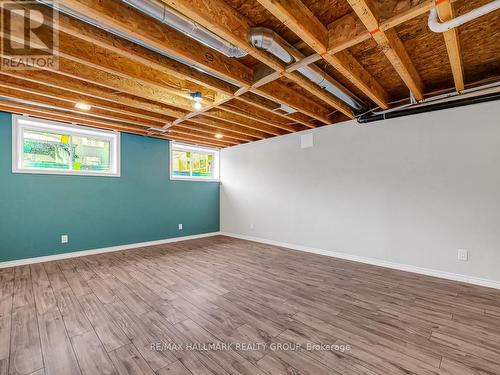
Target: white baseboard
74 254
373 261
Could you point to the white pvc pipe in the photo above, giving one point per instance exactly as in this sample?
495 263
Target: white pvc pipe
441 27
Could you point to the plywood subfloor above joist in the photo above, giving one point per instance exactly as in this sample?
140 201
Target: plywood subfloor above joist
378 51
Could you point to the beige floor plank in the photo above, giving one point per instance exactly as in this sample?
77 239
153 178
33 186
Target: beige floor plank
91 355
75 320
58 355
128 361
105 327
5 329
25 349
23 289
176 368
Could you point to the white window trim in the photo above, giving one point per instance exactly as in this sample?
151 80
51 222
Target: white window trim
19 123
186 147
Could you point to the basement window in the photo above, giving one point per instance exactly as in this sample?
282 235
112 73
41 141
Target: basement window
193 162
49 147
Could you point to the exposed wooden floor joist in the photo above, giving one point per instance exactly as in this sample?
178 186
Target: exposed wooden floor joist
306 26
446 13
169 40
391 46
241 100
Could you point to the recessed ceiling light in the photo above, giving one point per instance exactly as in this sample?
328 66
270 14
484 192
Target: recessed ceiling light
219 136
83 106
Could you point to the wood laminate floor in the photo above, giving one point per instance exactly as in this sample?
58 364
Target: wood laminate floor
101 314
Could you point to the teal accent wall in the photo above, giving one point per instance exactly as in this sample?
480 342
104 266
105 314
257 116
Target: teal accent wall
141 205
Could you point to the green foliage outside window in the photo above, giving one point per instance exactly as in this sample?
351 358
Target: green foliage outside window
192 164
49 150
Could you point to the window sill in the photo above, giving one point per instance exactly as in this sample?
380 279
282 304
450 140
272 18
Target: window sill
194 179
64 173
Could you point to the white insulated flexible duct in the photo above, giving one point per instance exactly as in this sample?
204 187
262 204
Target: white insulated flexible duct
170 17
269 41
166 15
92 21
440 27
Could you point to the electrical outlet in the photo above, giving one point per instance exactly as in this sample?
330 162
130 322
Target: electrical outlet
180 226
64 238
251 226
463 254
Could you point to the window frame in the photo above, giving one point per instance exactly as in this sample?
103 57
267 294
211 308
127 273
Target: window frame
20 123
191 148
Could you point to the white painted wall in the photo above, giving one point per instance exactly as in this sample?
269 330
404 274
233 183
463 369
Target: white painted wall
411 190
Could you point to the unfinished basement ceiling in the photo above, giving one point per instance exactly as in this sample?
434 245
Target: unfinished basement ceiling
144 84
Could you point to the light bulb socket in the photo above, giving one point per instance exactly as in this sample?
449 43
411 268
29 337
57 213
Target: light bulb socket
197 97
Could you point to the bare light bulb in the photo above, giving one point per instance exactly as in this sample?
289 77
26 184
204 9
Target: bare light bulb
218 136
197 106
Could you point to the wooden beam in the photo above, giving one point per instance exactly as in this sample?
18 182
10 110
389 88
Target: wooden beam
121 82
20 82
129 21
296 16
294 100
295 117
253 115
52 114
77 57
299 57
446 12
223 125
129 85
391 46
17 93
411 10
97 57
13 88
80 59
270 106
244 109
348 30
86 89
217 114
213 130
132 22
95 114
225 21
142 55
91 75
154 60
193 132
100 58
321 93
78 91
